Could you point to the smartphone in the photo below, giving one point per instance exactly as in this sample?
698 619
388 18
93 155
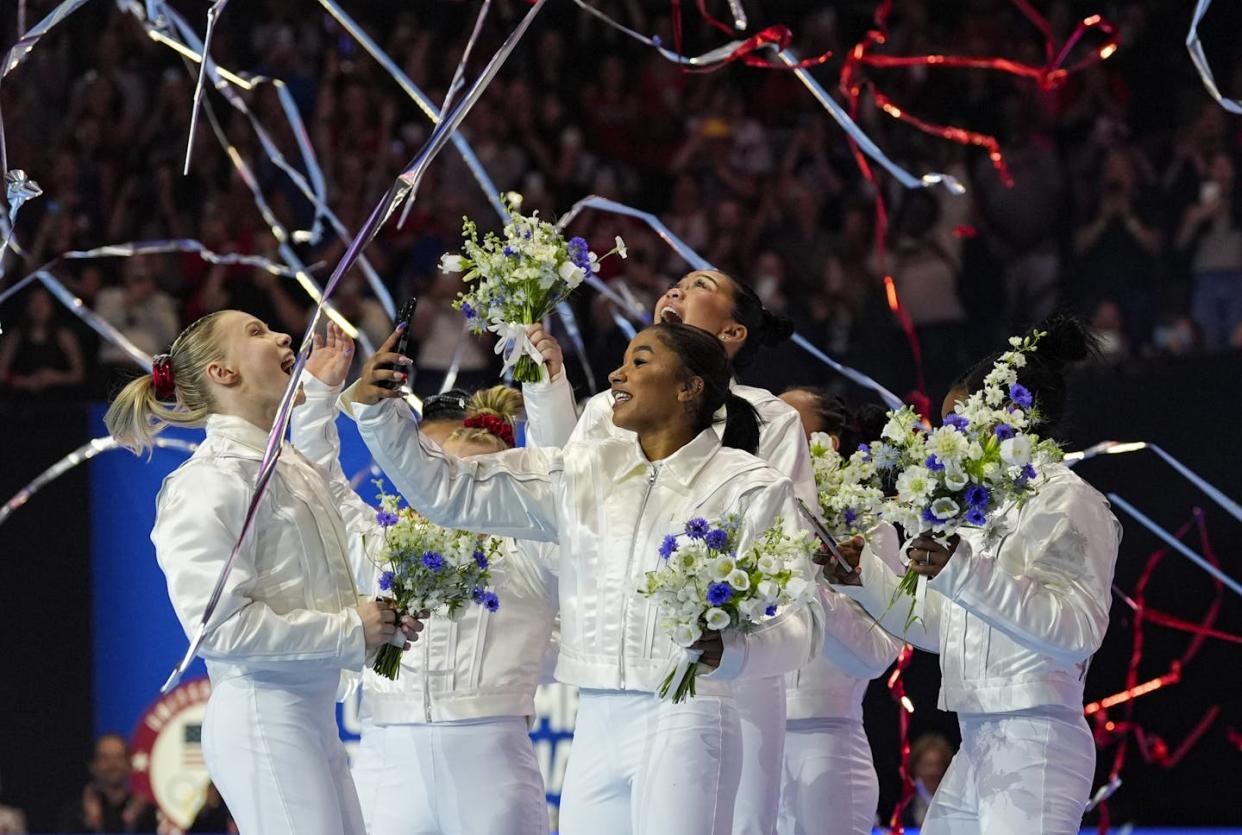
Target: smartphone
403 348
829 541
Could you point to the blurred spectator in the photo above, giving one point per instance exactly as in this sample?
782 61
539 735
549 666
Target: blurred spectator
12 821
39 356
1021 222
1211 233
107 804
1118 249
1177 336
1109 327
442 341
214 816
139 309
930 756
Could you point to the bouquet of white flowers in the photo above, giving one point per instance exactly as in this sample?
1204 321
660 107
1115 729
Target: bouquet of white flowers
704 584
429 569
984 458
520 278
850 489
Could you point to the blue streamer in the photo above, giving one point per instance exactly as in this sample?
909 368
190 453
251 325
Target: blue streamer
1176 544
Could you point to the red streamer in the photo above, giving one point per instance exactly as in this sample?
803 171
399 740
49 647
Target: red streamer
777 37
897 689
1046 77
1153 749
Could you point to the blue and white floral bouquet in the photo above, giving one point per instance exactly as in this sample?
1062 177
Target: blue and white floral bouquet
983 459
520 277
703 584
429 569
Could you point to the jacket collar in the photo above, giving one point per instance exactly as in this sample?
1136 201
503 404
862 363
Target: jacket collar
238 435
683 466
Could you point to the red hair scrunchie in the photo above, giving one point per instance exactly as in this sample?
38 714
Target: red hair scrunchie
162 376
496 426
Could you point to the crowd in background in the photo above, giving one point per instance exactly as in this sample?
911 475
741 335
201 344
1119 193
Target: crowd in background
1124 203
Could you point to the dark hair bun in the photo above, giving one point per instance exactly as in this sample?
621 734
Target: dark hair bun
1067 340
777 327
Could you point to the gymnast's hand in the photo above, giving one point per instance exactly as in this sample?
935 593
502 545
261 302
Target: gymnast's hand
383 367
851 550
928 557
330 360
380 623
712 647
548 348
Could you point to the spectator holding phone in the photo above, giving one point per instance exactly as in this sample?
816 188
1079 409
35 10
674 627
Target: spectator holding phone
1211 235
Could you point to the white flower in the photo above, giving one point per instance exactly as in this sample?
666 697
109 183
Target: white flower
947 444
571 273
515 200
450 263
687 633
716 619
914 483
594 259
621 250
721 569
768 564
796 588
739 579
1016 451
945 509
768 590
955 479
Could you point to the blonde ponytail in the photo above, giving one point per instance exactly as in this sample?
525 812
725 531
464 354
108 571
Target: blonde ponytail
491 416
137 415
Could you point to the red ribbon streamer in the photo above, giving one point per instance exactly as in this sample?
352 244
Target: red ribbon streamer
777 37
897 689
1151 747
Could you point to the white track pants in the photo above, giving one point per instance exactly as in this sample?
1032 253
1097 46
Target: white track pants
1028 771
761 709
451 778
273 749
830 786
643 766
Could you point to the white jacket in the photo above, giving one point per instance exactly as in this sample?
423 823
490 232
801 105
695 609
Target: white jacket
552 421
1015 618
483 664
855 651
609 508
289 604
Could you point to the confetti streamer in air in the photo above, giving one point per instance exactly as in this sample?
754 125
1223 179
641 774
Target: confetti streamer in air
905 707
80 455
213 15
20 51
406 185
698 262
18 189
1195 47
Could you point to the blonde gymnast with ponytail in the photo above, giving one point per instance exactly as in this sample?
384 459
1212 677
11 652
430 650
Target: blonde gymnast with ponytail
289 619
491 416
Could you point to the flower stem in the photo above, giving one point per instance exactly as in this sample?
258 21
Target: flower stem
388 662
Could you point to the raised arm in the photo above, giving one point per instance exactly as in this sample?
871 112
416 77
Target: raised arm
550 411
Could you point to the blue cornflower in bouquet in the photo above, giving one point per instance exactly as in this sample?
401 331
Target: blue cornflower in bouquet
984 457
704 584
518 278
427 568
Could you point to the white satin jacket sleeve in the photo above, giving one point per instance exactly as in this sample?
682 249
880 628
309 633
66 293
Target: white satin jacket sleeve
1058 602
782 443
853 640
200 515
550 411
879 586
314 435
511 493
791 639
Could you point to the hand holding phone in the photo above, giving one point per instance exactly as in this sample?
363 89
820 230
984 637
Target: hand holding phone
406 317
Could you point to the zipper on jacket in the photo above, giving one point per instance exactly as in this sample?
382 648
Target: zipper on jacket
625 580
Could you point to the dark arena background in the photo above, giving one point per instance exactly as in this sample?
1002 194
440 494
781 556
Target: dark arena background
1086 180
